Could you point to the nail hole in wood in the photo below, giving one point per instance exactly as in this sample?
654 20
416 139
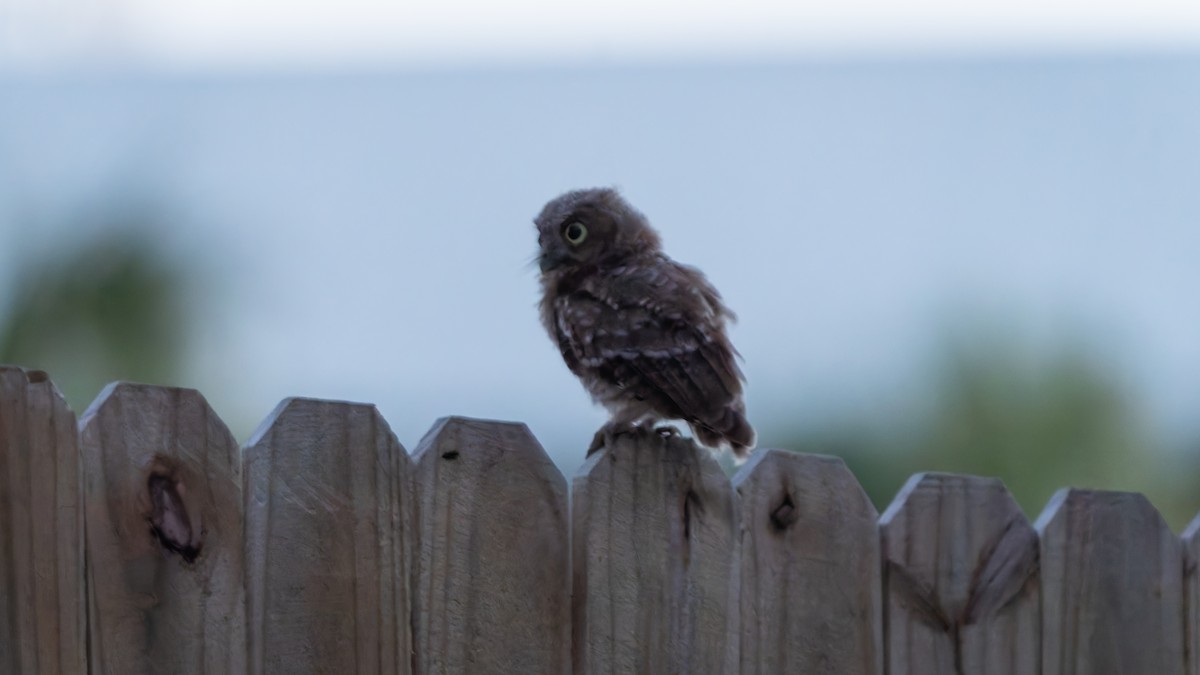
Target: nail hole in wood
450 454
36 376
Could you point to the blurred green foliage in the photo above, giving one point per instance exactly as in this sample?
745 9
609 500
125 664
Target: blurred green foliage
106 308
1038 418
113 307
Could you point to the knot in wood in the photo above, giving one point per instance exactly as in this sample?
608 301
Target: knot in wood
169 519
785 514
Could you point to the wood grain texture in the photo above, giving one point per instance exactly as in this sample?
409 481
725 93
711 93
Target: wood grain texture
42 610
493 590
1191 581
329 541
655 560
164 534
810 586
960 579
1112 595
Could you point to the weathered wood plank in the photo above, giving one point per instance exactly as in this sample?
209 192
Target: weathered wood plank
42 610
655 560
1191 542
810 586
1112 595
960 579
329 542
164 534
493 589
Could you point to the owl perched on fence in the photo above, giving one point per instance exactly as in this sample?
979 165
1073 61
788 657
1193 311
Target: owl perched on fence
645 334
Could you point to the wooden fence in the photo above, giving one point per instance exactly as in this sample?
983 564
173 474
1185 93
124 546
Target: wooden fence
144 540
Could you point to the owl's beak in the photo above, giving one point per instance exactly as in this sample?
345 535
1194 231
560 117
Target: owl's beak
551 259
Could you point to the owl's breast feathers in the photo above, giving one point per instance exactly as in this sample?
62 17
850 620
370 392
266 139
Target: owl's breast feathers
653 332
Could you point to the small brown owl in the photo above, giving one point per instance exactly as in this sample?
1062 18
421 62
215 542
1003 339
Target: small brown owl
645 334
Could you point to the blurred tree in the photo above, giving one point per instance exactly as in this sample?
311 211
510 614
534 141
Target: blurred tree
1038 419
1037 422
105 309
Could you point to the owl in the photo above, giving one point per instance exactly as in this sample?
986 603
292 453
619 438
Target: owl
644 334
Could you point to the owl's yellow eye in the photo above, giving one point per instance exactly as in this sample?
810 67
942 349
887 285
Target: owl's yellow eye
575 233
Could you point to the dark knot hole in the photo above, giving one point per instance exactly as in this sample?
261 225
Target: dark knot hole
169 520
784 515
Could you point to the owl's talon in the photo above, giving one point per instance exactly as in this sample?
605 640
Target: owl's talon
606 436
598 441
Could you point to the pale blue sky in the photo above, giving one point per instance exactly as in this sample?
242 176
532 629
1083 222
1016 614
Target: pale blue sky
369 231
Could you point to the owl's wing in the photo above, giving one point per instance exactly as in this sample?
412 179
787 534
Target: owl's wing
657 333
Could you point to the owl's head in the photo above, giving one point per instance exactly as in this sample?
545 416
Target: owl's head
591 227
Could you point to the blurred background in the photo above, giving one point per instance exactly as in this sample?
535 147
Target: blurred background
959 237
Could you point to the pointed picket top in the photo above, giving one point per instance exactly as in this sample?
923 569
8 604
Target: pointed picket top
1112 595
34 383
164 533
328 501
1191 543
42 605
493 586
810 585
960 573
482 443
655 559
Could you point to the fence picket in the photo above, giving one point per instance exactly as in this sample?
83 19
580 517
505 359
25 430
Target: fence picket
329 540
42 610
164 534
1112 590
143 540
1191 542
493 590
810 587
655 558
960 579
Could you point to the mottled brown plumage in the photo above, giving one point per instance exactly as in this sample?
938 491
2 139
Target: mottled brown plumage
645 334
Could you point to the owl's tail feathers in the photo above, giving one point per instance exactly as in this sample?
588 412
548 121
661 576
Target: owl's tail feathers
732 430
